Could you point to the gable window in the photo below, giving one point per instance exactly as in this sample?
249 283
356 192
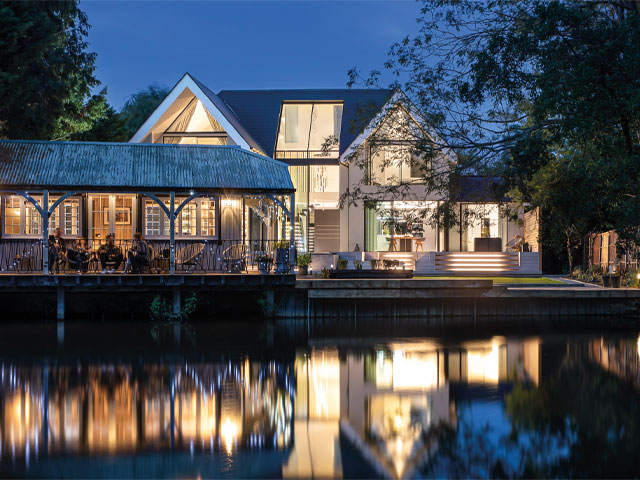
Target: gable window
196 219
309 130
22 219
195 126
395 165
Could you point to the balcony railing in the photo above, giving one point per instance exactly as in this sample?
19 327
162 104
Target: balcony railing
306 154
191 256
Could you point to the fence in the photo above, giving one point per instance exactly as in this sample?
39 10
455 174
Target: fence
601 252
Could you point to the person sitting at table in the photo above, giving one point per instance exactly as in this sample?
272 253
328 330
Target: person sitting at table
110 255
78 256
138 255
56 249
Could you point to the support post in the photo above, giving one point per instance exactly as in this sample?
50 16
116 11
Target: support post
172 233
292 234
60 303
45 232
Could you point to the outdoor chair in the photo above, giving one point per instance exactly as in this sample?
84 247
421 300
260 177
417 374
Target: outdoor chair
189 256
234 258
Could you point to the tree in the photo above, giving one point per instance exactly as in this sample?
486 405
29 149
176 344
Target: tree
111 127
140 106
531 80
47 75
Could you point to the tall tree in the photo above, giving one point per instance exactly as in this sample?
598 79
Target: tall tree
47 74
141 105
509 86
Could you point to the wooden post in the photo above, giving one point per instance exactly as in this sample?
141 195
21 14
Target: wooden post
172 233
45 232
60 304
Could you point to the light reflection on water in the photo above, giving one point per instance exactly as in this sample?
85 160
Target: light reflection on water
328 411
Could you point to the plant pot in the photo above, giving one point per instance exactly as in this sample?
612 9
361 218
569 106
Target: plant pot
615 281
264 267
303 269
282 260
606 281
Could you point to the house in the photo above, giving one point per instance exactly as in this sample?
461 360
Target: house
336 142
223 158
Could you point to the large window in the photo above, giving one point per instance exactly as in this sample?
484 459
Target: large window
22 218
195 126
482 221
396 164
400 226
111 214
309 130
196 219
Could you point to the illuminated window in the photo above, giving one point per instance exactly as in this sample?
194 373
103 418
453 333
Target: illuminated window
66 216
196 219
396 164
111 214
309 130
195 126
12 215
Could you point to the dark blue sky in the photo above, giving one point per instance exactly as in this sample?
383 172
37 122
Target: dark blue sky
241 44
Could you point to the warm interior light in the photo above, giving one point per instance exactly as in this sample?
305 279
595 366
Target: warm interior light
229 431
228 202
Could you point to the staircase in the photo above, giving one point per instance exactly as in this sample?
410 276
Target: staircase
408 259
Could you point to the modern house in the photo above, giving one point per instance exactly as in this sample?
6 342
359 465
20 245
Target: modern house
337 142
210 168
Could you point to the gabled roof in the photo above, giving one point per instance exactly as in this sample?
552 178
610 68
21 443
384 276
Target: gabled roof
211 102
88 166
259 110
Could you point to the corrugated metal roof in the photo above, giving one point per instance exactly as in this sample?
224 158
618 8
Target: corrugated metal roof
259 110
143 166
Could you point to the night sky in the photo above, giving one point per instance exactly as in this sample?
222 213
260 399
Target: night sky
241 45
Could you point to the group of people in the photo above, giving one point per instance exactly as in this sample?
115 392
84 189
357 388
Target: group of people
109 254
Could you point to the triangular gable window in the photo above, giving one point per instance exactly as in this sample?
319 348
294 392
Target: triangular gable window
195 126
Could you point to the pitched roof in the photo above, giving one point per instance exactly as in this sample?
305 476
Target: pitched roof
26 164
259 110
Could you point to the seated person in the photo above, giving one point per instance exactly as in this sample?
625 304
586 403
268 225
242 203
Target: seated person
56 250
78 256
138 255
110 255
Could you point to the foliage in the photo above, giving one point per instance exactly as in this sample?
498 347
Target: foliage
304 259
164 320
374 264
281 244
140 106
543 93
342 264
357 264
109 128
264 258
593 274
324 272
47 74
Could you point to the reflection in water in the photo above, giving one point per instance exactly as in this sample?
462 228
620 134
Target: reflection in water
390 409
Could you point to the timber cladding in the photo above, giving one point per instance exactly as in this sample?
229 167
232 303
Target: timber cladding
532 229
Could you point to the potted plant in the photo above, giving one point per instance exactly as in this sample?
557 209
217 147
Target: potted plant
282 256
264 263
304 260
342 264
374 263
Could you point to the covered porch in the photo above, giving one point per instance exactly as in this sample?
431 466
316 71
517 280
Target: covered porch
200 209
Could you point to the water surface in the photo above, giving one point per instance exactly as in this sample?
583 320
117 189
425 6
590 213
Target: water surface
235 403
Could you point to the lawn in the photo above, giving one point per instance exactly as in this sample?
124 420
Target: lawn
498 280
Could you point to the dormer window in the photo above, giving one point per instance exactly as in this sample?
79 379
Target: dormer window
195 126
309 130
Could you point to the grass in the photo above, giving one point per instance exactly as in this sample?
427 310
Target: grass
498 280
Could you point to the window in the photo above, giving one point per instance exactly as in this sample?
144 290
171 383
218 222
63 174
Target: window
12 215
396 164
66 216
111 214
197 218
195 126
309 130
22 218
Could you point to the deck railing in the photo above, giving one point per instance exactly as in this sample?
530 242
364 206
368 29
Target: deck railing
191 256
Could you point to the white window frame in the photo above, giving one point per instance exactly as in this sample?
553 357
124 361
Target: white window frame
24 203
164 219
371 173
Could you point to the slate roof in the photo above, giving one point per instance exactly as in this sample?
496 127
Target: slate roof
28 164
259 110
